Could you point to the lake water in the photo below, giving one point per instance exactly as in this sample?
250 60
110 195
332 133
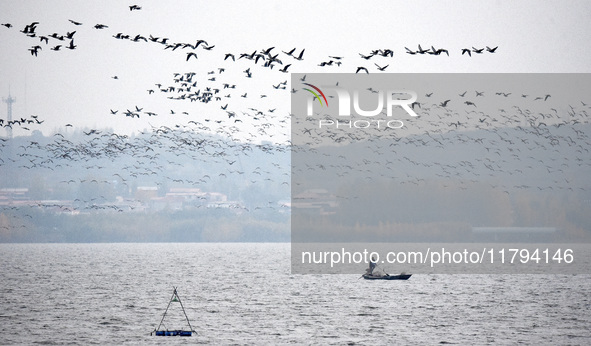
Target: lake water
244 294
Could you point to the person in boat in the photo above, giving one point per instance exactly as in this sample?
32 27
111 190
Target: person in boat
372 266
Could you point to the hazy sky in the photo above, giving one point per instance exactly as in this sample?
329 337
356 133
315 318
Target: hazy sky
77 86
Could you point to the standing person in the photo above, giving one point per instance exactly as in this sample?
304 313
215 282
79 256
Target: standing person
372 265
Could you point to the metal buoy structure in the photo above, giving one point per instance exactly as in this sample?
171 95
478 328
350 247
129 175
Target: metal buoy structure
174 332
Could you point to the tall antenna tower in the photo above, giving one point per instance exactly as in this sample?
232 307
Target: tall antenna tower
9 101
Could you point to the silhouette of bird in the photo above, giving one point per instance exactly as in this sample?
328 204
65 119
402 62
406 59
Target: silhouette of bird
438 51
190 54
421 50
34 50
444 103
290 53
30 29
300 57
491 50
284 69
71 46
411 52
361 68
381 68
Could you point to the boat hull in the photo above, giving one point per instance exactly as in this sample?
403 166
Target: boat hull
387 277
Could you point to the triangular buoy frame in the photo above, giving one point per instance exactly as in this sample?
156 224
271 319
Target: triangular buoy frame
175 298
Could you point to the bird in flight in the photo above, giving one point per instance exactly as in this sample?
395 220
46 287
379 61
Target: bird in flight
71 46
190 54
381 68
438 51
34 50
421 50
134 7
30 29
301 56
284 69
444 103
290 53
361 68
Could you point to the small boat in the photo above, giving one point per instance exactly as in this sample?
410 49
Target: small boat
369 273
387 277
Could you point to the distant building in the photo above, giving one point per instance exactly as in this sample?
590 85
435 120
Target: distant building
179 198
14 194
145 193
166 202
319 200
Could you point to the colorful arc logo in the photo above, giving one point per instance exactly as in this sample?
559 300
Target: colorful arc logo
315 94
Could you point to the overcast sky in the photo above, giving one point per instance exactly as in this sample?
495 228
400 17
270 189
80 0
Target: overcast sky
77 86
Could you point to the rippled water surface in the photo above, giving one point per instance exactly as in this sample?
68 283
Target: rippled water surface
245 294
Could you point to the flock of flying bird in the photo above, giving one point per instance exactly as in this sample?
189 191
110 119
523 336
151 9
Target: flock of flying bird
224 142
459 141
